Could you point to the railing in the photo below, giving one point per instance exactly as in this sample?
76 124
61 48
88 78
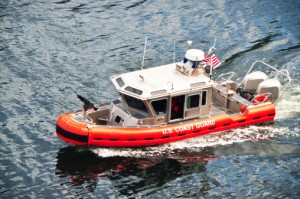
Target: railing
226 77
286 82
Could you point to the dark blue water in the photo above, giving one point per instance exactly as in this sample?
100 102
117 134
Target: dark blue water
49 47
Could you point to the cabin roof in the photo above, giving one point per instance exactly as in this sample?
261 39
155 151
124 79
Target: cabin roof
158 81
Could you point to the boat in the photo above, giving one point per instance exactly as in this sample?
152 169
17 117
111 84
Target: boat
177 101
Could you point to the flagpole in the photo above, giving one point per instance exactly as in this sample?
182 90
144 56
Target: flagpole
211 68
210 53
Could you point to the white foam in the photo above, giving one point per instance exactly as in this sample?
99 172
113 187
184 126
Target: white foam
290 104
252 133
274 44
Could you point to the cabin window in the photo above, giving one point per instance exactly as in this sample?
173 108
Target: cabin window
160 106
204 93
133 90
193 101
120 81
135 103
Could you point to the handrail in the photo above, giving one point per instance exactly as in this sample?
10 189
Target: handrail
232 74
288 84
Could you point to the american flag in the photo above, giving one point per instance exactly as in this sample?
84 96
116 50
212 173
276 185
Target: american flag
212 59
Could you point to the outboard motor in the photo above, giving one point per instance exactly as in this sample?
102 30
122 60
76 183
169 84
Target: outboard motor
269 86
249 86
252 80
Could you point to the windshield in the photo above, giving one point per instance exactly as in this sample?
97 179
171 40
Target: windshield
135 103
160 106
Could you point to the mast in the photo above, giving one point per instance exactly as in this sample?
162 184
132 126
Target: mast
174 53
144 53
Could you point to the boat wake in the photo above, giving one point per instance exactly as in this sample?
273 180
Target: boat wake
289 106
200 145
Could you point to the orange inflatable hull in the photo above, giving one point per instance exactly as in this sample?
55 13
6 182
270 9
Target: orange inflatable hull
108 136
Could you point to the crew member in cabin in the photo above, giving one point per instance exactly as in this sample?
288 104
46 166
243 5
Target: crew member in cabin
177 107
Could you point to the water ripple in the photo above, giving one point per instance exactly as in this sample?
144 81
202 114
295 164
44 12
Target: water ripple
48 49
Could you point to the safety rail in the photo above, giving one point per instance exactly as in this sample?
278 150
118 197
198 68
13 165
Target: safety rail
226 77
278 72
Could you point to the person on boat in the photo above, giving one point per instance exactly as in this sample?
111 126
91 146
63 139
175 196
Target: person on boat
177 107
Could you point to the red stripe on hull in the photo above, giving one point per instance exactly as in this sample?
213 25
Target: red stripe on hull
137 137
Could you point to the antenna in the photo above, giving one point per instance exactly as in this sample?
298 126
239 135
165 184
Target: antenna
174 53
144 53
213 47
215 42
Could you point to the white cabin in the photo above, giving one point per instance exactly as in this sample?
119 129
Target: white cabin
161 95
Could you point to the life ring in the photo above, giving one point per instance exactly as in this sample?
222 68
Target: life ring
260 99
